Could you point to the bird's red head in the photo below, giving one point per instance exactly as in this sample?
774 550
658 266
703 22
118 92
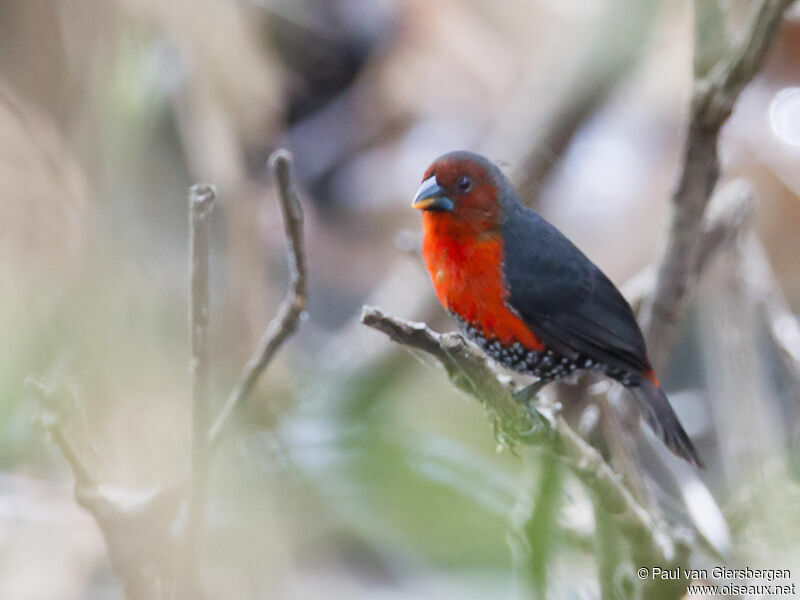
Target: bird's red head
465 190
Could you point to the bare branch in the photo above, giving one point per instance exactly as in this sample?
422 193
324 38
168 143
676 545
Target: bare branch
710 26
201 204
202 198
286 321
726 218
135 524
781 322
729 212
83 477
137 528
471 371
712 102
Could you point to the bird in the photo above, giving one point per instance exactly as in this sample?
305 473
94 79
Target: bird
526 295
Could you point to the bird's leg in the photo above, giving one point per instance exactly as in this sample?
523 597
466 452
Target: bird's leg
525 396
528 393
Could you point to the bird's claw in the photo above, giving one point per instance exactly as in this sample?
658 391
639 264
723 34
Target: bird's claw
528 393
531 431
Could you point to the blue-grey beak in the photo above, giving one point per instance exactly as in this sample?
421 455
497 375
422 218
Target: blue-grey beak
432 196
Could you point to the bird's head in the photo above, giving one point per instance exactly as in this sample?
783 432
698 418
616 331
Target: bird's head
466 188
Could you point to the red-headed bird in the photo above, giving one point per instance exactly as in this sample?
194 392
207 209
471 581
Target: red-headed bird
525 294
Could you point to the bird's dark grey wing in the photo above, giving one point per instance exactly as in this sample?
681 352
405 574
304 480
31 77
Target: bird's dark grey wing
565 299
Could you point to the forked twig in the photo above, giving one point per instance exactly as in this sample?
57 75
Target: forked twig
292 307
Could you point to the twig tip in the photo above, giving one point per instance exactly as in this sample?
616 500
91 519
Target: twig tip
369 314
280 157
202 196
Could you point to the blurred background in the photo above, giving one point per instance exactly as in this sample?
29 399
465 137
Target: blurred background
358 471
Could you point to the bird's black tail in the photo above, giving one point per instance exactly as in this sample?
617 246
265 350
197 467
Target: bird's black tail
659 415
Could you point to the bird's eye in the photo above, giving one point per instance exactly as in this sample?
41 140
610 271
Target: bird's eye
464 183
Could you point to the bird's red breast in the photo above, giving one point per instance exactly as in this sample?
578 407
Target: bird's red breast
465 264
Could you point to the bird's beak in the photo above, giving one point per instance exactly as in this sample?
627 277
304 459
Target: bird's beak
432 196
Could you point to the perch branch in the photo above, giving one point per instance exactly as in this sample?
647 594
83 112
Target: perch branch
713 99
286 321
514 422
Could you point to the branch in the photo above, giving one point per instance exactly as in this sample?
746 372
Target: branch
83 477
202 198
782 324
729 213
135 524
716 94
727 216
712 102
201 203
710 26
471 371
286 321
137 528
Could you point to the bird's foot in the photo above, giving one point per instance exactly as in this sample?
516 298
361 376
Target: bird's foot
528 393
